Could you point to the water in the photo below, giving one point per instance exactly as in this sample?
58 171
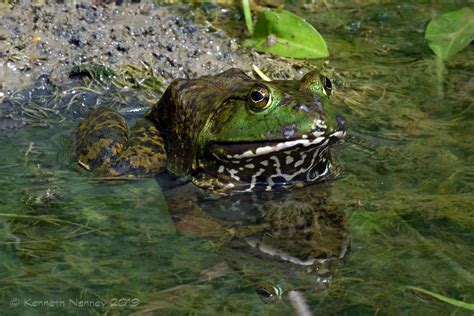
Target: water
72 244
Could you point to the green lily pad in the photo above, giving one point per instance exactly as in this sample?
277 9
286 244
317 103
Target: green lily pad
450 32
285 34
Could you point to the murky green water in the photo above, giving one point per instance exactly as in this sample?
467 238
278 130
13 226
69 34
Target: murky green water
406 191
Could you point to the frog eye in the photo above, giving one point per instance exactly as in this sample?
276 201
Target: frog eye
260 98
327 85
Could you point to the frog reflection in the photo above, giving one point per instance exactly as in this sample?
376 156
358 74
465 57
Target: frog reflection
282 242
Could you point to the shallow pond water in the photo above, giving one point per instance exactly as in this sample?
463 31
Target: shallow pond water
86 246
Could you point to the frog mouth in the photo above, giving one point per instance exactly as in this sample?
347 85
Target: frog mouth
249 150
270 164
318 136
242 166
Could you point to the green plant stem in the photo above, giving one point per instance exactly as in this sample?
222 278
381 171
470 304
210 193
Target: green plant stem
247 15
440 70
443 298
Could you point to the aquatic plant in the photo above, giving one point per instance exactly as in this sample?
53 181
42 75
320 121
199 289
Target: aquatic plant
442 298
283 33
450 32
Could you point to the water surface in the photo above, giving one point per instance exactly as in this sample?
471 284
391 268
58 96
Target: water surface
406 191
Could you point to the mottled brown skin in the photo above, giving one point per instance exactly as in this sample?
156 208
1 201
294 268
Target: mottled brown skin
106 145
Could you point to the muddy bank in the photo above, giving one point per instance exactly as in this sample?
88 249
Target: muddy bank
48 40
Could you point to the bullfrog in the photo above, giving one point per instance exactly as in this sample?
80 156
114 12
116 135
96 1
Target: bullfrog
225 133
244 152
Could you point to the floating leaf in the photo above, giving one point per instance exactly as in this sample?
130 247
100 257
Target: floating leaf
443 298
285 34
450 32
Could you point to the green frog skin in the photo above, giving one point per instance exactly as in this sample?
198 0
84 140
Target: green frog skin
226 132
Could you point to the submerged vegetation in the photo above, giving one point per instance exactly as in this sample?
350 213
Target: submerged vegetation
406 189
47 104
443 298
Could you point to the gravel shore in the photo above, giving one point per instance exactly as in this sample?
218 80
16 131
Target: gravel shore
50 39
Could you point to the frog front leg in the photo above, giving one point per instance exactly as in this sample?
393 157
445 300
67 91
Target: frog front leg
105 145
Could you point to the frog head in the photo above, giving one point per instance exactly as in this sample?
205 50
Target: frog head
234 133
